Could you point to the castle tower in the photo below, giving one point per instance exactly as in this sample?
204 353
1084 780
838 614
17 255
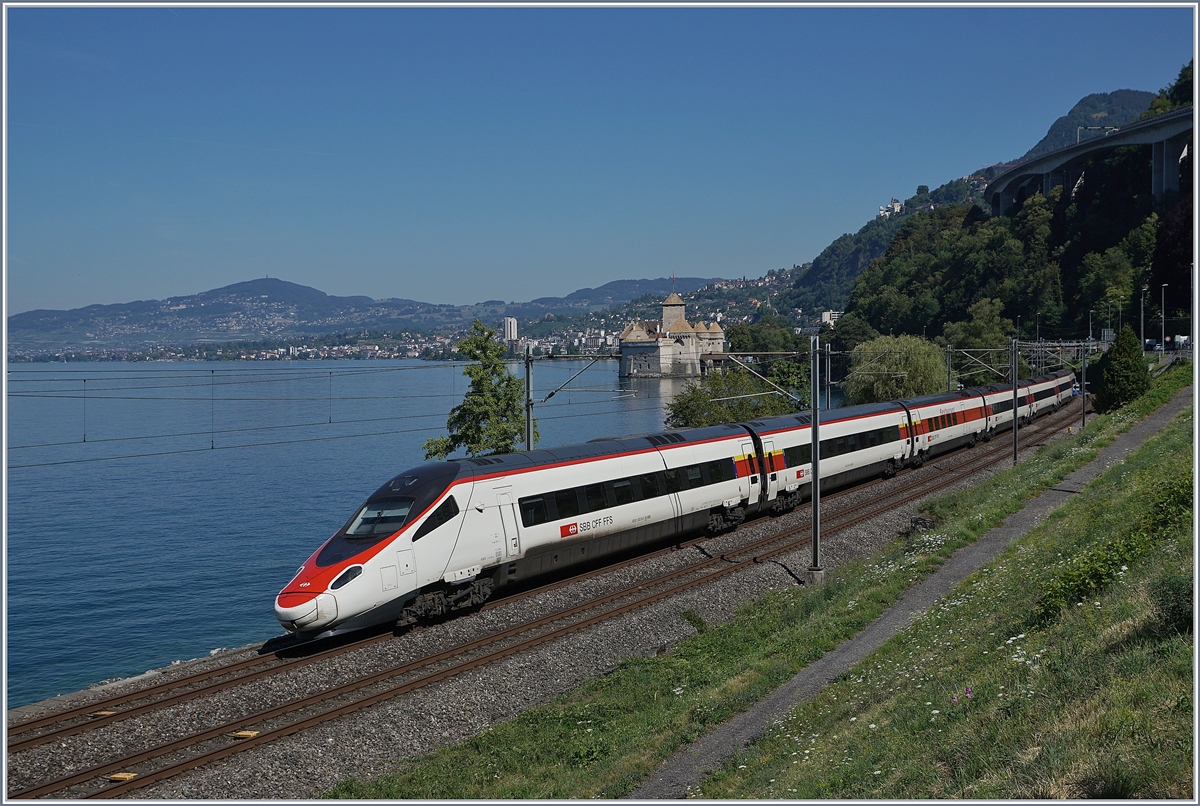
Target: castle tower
673 308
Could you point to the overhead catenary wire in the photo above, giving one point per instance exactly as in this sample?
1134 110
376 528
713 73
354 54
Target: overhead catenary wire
148 454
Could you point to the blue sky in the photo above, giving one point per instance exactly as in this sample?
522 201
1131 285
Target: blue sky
458 155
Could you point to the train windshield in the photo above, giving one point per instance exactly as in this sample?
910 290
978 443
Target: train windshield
380 517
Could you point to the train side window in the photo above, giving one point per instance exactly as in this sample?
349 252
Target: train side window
852 443
649 486
595 498
721 470
445 512
798 455
693 477
567 503
533 510
672 480
623 488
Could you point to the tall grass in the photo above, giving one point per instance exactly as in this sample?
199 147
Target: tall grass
1062 670
604 738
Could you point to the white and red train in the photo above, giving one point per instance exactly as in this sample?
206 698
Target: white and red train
444 535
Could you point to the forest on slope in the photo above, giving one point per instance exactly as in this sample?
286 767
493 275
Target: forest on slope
1102 249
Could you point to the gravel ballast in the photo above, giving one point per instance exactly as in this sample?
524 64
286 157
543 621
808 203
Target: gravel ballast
375 740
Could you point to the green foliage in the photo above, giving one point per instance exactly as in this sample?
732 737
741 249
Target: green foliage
943 261
792 376
1172 261
606 737
695 619
1099 109
767 335
705 401
988 331
850 331
969 703
1111 276
826 285
1124 374
1101 562
491 418
1173 97
1173 596
895 367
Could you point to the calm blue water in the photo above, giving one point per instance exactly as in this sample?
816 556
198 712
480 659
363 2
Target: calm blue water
119 565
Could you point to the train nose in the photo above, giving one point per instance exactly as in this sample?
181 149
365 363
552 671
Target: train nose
305 611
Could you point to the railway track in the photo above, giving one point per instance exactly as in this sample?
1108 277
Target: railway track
141 767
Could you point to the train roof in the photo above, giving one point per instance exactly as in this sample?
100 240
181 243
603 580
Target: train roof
613 446
595 449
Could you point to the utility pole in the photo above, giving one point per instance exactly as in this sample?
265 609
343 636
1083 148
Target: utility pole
1164 319
949 371
816 574
528 396
1083 386
1015 406
1142 315
828 376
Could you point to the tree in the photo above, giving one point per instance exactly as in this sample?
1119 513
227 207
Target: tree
895 367
767 335
491 418
850 331
1124 375
985 330
706 401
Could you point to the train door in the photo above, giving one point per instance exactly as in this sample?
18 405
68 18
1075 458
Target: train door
748 464
909 431
508 522
769 468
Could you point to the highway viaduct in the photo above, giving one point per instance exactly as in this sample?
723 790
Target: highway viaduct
1167 134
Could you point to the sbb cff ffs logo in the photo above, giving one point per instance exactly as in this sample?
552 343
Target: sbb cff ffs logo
569 530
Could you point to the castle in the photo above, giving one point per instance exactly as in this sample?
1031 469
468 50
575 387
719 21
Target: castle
671 348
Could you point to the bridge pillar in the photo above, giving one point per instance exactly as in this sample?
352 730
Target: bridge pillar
1055 178
1165 168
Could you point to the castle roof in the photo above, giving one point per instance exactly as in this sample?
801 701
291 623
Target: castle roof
674 299
680 325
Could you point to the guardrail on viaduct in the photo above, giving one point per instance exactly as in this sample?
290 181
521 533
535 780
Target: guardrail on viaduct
1167 134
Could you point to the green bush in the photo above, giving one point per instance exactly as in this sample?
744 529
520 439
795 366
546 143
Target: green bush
1172 597
1124 375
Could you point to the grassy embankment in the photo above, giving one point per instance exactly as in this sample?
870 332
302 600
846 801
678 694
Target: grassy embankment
1082 699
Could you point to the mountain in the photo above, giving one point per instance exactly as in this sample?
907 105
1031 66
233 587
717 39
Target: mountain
274 308
1118 108
829 280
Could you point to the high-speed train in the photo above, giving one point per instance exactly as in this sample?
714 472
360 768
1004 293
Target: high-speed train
444 535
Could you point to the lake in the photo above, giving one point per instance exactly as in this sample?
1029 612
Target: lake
154 510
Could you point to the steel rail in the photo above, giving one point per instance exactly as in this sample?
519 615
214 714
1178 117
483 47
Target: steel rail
598 601
435 677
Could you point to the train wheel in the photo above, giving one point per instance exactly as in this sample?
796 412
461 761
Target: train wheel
889 469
